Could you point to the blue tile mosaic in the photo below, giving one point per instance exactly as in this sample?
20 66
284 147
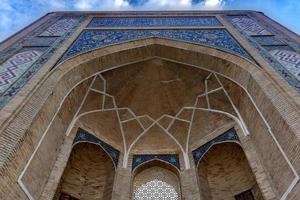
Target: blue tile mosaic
172 159
228 136
83 136
60 27
155 22
283 70
275 47
12 85
41 41
248 25
276 31
267 40
14 67
8 52
289 59
92 39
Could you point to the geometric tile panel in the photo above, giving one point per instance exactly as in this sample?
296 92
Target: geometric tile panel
281 56
92 39
155 22
84 136
14 67
60 27
267 40
172 159
228 136
249 26
275 47
289 59
41 41
20 62
13 49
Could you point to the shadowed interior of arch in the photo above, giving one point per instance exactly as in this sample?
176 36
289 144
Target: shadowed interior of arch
224 173
89 174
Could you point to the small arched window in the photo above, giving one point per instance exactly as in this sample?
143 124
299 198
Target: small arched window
156 190
156 183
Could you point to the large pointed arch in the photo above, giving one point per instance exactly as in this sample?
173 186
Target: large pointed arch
58 84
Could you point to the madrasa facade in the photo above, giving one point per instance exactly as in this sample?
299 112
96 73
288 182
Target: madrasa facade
146 105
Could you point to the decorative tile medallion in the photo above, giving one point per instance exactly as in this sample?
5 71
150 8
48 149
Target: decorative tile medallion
172 159
249 26
155 22
228 136
278 53
84 136
92 39
22 61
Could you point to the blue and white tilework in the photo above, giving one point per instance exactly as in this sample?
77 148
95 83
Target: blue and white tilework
228 136
41 42
276 50
155 22
14 67
60 27
289 59
249 26
8 52
268 40
83 136
22 60
92 39
172 159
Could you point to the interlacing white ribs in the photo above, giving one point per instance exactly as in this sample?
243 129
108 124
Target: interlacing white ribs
184 148
235 116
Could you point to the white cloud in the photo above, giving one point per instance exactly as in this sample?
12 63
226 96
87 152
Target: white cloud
102 5
180 5
213 4
148 5
14 14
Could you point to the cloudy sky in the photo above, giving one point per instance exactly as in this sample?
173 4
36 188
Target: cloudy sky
16 14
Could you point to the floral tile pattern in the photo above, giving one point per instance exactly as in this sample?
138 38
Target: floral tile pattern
92 39
228 136
83 136
172 159
155 22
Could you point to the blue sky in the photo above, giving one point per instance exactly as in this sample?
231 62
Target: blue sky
16 14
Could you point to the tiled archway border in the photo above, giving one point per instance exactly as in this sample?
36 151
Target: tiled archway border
83 136
172 159
228 136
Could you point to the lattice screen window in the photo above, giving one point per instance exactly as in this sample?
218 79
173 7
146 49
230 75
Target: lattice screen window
156 190
156 183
